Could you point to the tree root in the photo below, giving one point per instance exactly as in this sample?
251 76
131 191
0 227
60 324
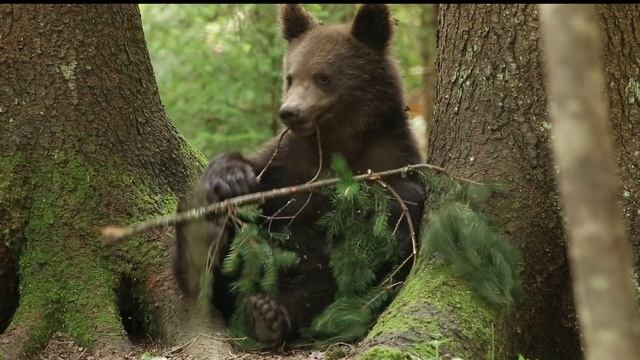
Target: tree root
35 322
107 339
26 335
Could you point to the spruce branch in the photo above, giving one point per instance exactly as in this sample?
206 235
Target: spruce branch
114 233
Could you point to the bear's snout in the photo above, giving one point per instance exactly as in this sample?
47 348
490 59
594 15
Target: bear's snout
294 120
289 115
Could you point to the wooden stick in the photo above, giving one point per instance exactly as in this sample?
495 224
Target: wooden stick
113 233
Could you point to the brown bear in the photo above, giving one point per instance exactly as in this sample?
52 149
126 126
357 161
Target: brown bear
342 94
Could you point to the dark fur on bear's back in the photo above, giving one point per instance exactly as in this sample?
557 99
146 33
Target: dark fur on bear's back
341 86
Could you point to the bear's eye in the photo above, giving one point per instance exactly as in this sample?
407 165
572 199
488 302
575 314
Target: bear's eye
288 80
322 79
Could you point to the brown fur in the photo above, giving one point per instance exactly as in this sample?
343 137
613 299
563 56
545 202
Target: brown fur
339 80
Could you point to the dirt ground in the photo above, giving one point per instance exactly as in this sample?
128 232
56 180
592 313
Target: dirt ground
61 347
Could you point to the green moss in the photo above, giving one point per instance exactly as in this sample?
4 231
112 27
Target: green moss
434 306
40 325
8 166
192 153
632 91
383 353
12 198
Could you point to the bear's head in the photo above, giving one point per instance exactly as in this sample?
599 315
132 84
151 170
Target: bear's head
338 78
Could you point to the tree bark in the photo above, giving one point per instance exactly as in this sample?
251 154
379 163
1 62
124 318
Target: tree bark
86 142
599 251
490 125
620 31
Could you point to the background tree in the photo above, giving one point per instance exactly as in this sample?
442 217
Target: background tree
582 144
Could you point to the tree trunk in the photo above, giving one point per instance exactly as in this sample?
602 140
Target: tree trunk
487 127
85 142
492 125
490 118
599 251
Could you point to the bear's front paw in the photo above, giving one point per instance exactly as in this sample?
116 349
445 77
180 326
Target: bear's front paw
228 175
269 320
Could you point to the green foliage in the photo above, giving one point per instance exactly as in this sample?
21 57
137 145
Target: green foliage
468 240
217 68
254 260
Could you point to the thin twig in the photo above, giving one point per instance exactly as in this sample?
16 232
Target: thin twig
216 246
395 229
380 293
239 223
274 217
407 216
114 233
390 276
301 208
315 177
180 348
259 177
81 354
273 156
275 214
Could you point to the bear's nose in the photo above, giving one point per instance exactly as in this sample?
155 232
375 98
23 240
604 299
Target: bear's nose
288 114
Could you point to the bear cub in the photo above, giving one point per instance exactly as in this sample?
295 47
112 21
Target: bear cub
342 94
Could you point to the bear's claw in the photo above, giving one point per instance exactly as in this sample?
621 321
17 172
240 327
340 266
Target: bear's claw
269 320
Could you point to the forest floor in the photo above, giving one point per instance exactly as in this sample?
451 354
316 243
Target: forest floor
61 347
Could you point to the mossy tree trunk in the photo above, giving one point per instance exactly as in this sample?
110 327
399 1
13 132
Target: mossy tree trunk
492 125
85 142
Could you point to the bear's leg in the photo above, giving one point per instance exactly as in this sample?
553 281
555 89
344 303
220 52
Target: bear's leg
226 176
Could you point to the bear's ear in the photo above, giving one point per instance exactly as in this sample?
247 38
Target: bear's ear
372 26
295 21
